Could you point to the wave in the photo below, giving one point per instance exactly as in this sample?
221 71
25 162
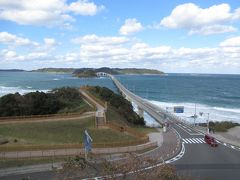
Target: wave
56 79
14 89
227 109
150 122
215 113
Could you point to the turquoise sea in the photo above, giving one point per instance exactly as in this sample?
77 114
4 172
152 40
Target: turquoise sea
218 95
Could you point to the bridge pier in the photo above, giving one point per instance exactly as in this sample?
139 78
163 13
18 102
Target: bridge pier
140 112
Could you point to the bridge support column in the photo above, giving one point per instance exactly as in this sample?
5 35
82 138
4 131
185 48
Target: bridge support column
140 112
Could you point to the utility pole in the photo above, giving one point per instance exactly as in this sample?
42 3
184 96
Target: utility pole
195 115
208 114
208 123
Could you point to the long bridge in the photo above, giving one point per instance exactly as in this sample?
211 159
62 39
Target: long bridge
159 114
198 158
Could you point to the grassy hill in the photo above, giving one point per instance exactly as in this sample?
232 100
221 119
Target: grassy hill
138 71
91 72
55 70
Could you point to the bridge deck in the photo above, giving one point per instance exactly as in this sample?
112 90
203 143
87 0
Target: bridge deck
159 114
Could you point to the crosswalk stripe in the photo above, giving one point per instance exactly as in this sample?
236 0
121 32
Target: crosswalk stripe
200 140
188 141
193 140
197 140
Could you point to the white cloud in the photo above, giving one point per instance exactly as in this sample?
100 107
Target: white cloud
236 14
130 26
212 20
100 40
45 13
85 8
98 51
50 41
213 29
11 39
232 42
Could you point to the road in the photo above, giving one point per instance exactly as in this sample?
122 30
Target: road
199 159
202 160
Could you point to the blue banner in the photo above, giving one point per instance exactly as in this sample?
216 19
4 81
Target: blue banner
87 141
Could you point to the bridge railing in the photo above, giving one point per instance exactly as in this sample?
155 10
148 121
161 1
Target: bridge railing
162 112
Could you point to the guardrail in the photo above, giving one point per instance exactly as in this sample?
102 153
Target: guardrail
127 129
77 150
33 117
100 102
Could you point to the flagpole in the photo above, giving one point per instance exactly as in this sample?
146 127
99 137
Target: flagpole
85 153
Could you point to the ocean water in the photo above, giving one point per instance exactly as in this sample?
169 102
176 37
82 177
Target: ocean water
218 95
23 82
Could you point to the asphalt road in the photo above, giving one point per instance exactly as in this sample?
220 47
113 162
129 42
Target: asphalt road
203 161
200 159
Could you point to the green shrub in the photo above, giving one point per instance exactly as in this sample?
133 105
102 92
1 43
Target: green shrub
39 103
222 126
123 106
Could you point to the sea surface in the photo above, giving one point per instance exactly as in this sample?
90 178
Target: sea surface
218 95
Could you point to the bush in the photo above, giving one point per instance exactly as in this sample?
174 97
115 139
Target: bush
39 103
123 106
222 126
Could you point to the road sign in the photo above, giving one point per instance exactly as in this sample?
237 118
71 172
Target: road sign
178 109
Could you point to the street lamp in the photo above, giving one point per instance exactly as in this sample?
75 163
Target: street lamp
201 113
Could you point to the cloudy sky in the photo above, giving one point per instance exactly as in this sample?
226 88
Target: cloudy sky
172 36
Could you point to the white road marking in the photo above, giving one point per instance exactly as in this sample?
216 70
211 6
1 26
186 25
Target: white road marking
188 141
198 140
202 140
193 140
184 129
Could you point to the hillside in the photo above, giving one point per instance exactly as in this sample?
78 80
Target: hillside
138 71
55 70
11 70
91 72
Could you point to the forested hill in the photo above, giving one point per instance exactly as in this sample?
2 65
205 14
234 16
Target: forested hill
91 72
11 70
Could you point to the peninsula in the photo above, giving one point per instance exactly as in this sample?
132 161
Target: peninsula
91 72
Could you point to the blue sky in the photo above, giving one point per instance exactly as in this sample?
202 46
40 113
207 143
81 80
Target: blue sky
172 36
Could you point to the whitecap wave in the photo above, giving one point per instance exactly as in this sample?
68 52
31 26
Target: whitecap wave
215 113
56 79
150 122
11 89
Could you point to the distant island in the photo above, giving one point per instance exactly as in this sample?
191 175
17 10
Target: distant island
55 70
11 70
92 72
